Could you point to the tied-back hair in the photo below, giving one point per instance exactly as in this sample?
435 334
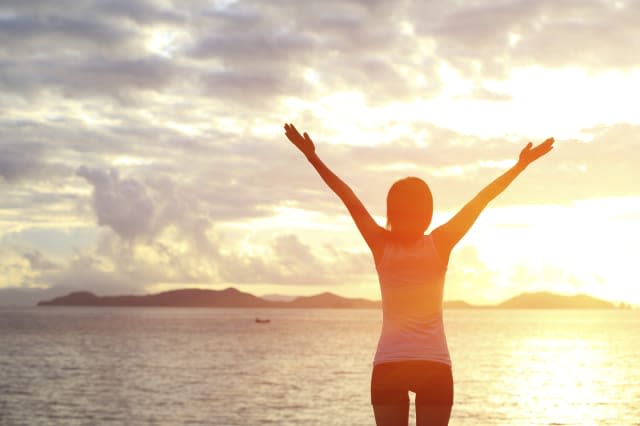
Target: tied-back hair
410 202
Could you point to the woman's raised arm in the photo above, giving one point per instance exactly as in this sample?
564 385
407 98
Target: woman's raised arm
447 236
372 233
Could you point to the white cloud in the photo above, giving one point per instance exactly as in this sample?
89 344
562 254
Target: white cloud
121 204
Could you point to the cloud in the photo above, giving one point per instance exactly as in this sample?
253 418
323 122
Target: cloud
86 272
234 177
38 262
487 39
121 204
250 54
19 160
238 54
288 261
155 122
172 257
102 77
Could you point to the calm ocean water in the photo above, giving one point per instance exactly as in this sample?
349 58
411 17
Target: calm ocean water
217 366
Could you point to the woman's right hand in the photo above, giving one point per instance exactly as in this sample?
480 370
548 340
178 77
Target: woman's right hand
304 143
528 155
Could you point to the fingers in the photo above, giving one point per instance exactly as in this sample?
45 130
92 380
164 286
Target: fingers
307 137
290 127
548 141
543 148
546 145
291 131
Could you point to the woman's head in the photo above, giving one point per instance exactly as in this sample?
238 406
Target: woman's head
409 207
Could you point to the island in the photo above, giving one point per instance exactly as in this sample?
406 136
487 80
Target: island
545 300
234 298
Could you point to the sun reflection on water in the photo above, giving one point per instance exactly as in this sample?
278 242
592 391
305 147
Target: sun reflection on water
556 377
554 367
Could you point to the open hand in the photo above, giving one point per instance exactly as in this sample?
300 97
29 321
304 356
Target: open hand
304 143
528 155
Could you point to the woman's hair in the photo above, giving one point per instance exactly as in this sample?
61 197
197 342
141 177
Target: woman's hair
409 205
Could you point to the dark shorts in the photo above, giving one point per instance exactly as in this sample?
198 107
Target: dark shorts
431 381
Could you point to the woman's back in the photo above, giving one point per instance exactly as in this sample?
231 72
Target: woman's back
411 283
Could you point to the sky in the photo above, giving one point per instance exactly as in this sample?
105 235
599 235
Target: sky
142 148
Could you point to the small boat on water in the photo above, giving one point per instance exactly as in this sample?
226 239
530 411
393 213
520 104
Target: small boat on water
262 320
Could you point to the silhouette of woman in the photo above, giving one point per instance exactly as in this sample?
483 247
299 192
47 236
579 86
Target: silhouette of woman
412 353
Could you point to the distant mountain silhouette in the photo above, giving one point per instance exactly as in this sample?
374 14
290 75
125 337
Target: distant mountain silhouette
544 300
330 300
227 298
233 298
458 304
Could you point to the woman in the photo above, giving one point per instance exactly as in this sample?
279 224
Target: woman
412 353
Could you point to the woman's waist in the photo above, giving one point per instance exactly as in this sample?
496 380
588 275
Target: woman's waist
399 343
405 326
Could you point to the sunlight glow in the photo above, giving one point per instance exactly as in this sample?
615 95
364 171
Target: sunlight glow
514 38
454 83
560 241
312 76
184 128
165 41
128 160
571 99
288 218
562 102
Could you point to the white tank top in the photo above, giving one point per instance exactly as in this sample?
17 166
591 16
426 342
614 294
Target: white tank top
411 283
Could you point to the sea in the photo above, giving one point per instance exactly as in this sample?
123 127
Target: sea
203 366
